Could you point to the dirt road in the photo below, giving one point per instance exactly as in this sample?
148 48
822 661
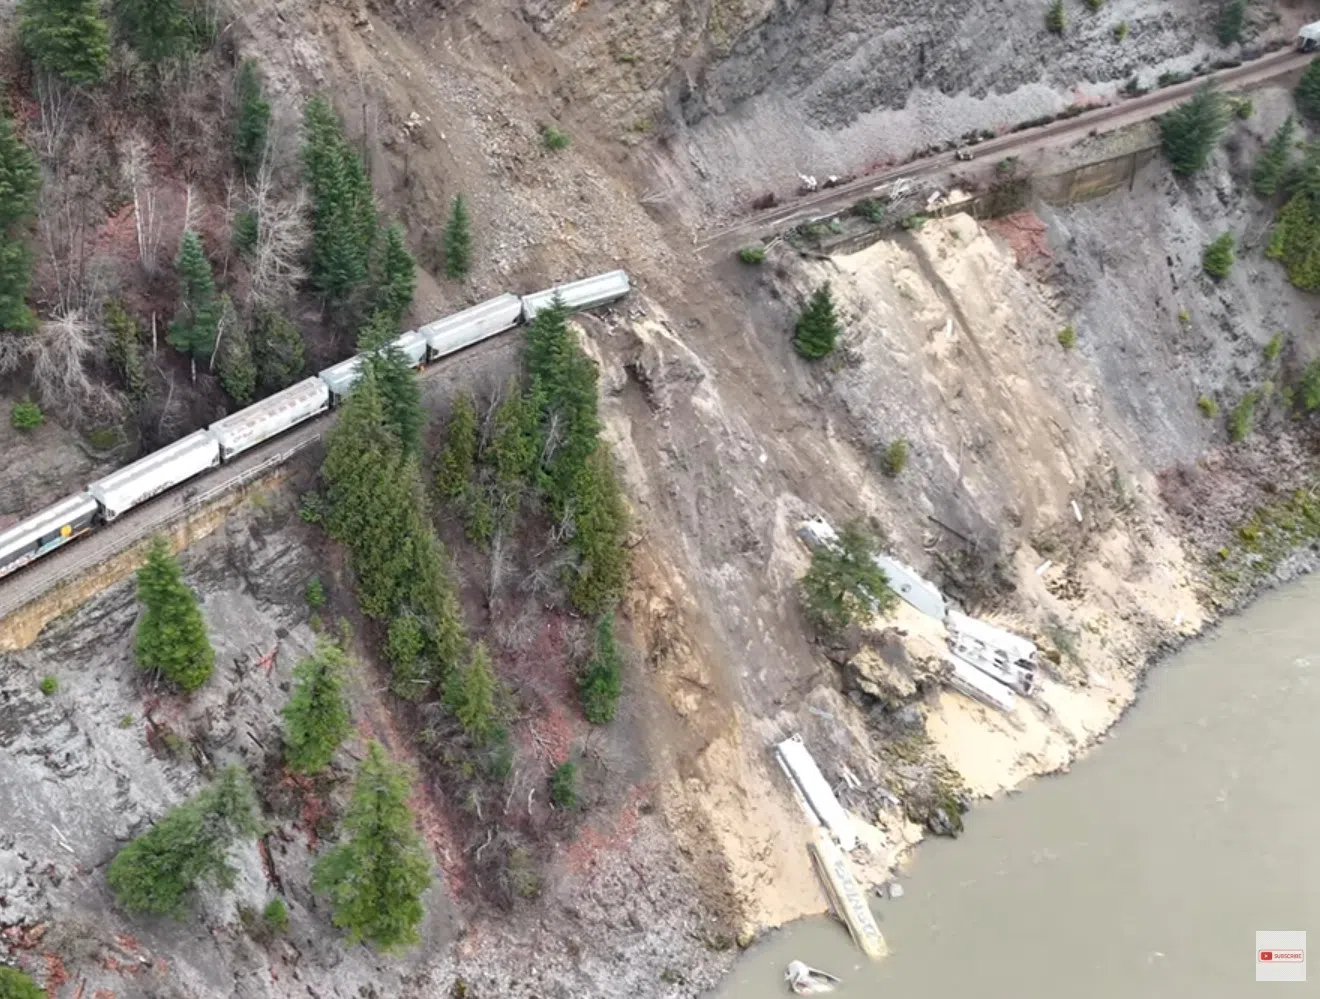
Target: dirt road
822 204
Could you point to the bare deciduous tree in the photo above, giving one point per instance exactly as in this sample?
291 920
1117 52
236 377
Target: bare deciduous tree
135 157
62 355
275 266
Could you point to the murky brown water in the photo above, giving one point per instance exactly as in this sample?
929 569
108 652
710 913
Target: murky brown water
1143 873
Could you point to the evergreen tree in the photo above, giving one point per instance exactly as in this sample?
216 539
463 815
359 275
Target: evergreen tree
600 684
1231 17
66 38
511 453
1055 20
16 985
125 350
20 181
1191 130
398 278
316 719
844 585
1273 161
279 352
458 240
360 445
343 207
194 326
376 877
405 648
237 369
158 29
1307 94
600 523
400 393
1217 259
253 121
458 459
171 638
158 872
470 695
817 327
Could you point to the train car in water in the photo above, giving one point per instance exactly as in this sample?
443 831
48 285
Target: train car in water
56 525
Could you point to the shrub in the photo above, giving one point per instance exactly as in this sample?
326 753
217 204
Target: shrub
1307 93
564 785
1120 31
375 878
1184 317
1244 108
553 139
172 638
1308 385
1217 258
1067 338
158 872
871 210
1231 16
26 415
895 458
16 985
49 684
1275 347
752 254
1273 162
817 327
316 718
1209 408
601 681
1095 5
1055 20
276 915
1190 131
314 593
844 585
1242 417
913 223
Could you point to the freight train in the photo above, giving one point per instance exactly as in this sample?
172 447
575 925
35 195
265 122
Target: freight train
109 498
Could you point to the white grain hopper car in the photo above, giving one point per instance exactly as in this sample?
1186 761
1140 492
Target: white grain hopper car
800 767
117 493
578 295
47 530
1009 658
978 684
1308 37
120 491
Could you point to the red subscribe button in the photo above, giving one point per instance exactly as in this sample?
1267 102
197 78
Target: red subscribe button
1283 956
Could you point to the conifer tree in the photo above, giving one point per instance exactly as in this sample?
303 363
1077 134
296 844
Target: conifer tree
405 648
458 240
1273 161
1055 20
817 327
194 326
600 523
1191 130
511 453
1307 94
125 350
400 393
458 459
253 121
237 369
316 719
66 38
844 585
158 872
157 29
20 180
375 878
16 985
1217 258
360 444
343 207
470 695
398 278
1231 17
171 639
280 354
601 682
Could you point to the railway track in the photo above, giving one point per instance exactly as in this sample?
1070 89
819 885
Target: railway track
822 204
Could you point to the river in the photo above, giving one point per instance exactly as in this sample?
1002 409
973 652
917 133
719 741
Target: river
1145 872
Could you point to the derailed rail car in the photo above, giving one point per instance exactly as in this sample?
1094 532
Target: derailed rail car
578 295
120 491
56 525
